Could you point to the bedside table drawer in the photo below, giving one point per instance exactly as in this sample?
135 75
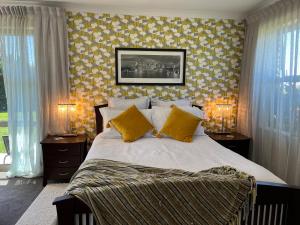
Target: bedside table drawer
63 161
61 173
233 147
240 147
234 141
62 149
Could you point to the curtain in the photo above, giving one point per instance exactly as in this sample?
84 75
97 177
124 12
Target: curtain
274 81
19 70
34 56
245 84
52 66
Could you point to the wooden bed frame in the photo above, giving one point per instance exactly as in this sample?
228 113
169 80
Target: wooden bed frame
276 204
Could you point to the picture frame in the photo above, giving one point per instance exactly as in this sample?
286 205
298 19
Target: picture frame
150 66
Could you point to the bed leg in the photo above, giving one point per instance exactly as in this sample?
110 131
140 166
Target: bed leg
65 210
294 207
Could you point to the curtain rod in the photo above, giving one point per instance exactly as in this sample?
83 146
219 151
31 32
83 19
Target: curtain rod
264 12
29 3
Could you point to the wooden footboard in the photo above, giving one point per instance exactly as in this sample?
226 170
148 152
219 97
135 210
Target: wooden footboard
276 204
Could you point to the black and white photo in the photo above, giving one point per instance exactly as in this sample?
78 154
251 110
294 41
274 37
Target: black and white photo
150 66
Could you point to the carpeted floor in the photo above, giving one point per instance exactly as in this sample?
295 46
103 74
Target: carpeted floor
42 205
16 195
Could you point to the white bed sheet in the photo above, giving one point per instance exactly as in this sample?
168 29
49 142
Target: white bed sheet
203 153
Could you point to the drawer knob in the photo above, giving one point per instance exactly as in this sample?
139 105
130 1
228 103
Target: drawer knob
63 162
63 174
63 150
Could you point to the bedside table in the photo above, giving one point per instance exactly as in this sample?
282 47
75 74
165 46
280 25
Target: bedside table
237 142
62 157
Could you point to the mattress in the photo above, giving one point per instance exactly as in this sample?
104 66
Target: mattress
203 153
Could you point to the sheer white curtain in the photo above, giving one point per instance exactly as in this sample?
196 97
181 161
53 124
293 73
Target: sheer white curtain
276 91
244 123
33 51
21 86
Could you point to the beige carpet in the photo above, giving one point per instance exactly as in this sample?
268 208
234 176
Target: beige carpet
41 211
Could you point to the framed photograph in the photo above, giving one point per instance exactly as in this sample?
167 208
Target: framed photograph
145 66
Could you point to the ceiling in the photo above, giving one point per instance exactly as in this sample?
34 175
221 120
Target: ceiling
235 9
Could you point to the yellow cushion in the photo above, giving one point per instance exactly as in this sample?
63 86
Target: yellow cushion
180 125
131 124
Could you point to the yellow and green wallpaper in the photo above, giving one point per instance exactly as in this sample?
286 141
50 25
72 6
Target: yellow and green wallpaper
214 50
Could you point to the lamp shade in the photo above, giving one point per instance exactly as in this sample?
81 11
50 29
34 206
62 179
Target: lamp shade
65 110
224 110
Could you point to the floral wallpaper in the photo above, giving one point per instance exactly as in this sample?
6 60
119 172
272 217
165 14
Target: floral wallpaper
214 49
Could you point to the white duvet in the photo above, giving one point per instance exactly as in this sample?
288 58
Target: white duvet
203 153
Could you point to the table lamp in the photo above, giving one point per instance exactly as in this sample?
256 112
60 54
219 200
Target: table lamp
66 109
225 110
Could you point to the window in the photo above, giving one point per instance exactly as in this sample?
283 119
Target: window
282 92
3 114
291 71
289 78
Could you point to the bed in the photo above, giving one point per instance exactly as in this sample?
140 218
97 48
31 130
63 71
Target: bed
276 201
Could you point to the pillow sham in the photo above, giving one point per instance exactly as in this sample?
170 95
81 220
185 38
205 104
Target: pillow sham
180 125
160 115
131 124
111 133
110 113
180 102
122 103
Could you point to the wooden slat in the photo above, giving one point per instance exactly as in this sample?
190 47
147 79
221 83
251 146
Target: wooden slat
83 221
270 214
258 215
252 216
275 215
264 214
91 219
281 214
76 219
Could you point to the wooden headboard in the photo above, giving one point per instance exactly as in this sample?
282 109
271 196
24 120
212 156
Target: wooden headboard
99 119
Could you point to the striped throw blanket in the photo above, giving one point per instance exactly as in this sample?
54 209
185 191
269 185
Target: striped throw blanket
125 194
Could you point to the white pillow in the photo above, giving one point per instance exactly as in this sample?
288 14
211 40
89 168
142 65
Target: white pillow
110 133
160 115
122 103
180 102
110 113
